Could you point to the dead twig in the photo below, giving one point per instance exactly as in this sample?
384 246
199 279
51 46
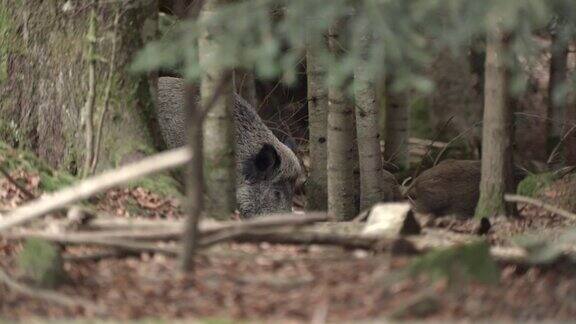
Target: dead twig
457 137
557 147
87 120
91 186
97 256
540 204
28 195
107 91
174 232
431 146
75 239
310 238
47 295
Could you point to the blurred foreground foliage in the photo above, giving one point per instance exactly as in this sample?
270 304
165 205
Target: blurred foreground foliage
269 36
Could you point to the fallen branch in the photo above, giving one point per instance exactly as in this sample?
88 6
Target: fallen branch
173 232
540 204
422 244
91 186
50 296
309 238
75 239
275 220
166 230
97 256
89 236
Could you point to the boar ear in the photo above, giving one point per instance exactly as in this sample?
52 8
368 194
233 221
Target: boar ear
264 164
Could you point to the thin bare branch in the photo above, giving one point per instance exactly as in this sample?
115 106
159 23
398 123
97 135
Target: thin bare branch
540 204
87 120
557 147
91 186
107 91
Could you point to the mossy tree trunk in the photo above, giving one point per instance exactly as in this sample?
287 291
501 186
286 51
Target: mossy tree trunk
496 136
369 152
46 85
317 96
219 166
342 152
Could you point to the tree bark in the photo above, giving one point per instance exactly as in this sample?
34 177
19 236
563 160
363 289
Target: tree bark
47 81
316 184
496 136
341 143
194 181
570 118
369 153
556 101
219 167
396 129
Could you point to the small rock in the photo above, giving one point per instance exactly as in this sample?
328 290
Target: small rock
391 220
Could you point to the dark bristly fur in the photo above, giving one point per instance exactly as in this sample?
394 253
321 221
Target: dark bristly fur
266 169
449 188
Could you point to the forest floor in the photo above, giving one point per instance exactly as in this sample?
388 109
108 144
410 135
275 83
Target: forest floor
280 283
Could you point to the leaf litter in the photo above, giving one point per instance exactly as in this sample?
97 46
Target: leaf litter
292 283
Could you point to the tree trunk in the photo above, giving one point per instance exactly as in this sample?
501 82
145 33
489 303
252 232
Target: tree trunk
341 144
570 119
316 184
556 101
397 129
369 153
47 82
194 181
496 136
219 167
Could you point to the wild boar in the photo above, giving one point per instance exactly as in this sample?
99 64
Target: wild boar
266 169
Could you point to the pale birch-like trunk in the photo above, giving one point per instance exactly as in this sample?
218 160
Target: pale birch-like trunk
316 184
341 146
496 137
369 153
219 166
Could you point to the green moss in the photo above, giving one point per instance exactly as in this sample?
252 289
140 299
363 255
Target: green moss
50 180
490 204
55 181
534 183
41 261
